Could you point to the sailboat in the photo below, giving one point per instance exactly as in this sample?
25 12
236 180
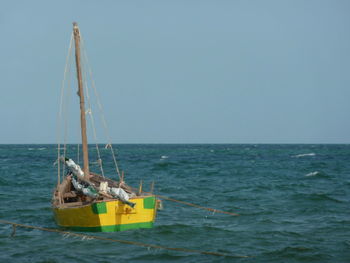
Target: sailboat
87 201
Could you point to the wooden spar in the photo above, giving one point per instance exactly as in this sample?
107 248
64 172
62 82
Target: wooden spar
82 101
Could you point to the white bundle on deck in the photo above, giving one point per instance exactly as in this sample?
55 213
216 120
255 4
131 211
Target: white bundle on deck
115 192
76 170
120 193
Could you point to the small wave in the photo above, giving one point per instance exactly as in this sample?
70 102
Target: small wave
317 174
313 173
279 233
164 157
162 165
39 149
159 254
289 251
304 155
323 197
3 182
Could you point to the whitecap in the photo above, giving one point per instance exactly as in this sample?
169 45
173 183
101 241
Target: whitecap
313 173
61 148
304 155
164 157
39 149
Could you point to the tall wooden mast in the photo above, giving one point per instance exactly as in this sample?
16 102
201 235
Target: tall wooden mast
82 101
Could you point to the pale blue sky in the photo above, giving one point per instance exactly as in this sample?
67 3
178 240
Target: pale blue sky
183 71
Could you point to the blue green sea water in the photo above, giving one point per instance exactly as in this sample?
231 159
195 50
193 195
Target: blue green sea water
293 201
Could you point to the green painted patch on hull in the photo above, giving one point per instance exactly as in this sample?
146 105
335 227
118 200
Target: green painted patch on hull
99 208
112 228
149 202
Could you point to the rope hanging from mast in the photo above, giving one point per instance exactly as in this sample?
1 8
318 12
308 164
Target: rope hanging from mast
66 109
61 106
104 123
89 112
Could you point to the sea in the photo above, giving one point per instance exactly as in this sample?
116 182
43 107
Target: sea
293 203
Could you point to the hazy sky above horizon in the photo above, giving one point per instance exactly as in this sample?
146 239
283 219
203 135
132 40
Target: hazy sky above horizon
183 71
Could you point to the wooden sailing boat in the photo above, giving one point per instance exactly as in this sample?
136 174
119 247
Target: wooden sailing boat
86 201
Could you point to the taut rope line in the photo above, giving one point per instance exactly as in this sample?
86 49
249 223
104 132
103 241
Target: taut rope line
66 69
109 141
198 206
190 204
89 111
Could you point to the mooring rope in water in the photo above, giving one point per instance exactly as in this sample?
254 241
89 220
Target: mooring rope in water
190 204
84 236
197 206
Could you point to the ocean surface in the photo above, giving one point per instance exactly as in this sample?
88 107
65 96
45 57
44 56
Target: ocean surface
293 201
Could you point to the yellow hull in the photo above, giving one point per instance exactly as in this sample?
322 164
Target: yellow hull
108 216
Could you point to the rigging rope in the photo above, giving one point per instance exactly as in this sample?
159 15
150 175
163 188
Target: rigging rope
60 110
66 110
14 225
89 111
101 110
78 157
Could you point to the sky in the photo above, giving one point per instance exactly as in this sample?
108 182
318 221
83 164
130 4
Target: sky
184 71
